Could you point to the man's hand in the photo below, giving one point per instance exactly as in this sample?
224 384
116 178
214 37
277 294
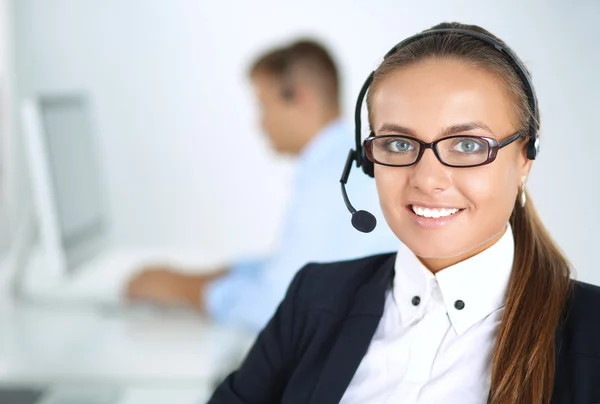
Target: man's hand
164 285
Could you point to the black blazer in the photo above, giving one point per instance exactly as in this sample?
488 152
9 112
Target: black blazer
312 346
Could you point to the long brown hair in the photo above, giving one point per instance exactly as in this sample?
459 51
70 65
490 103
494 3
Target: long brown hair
524 354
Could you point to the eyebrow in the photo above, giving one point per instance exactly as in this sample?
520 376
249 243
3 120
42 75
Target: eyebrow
451 130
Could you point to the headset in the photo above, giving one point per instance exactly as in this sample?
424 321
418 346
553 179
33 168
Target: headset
365 221
287 90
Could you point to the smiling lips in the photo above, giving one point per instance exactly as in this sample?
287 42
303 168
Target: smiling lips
434 213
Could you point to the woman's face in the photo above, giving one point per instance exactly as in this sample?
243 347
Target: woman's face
428 100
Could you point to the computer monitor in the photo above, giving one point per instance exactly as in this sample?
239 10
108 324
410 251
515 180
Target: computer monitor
66 177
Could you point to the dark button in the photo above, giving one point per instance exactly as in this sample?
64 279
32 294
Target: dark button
416 300
459 305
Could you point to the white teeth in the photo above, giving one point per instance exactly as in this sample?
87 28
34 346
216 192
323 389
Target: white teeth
433 213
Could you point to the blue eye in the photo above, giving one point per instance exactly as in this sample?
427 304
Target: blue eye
468 146
399 146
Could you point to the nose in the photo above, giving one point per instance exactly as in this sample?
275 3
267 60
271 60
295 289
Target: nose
429 174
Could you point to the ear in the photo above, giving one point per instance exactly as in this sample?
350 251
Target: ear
525 169
305 95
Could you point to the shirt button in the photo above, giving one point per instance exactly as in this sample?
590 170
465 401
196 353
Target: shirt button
459 305
416 300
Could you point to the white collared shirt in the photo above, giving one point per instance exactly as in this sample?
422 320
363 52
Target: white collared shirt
435 340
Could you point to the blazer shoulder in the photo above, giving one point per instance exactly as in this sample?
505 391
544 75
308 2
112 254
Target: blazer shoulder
586 292
585 302
582 322
328 286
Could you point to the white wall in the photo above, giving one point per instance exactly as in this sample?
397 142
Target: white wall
168 81
5 119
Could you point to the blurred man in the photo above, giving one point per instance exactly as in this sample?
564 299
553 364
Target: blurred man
297 88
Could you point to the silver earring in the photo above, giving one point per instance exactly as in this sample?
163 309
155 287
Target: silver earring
523 195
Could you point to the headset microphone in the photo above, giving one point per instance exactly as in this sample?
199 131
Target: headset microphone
361 220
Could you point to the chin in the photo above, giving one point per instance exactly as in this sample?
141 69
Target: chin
434 244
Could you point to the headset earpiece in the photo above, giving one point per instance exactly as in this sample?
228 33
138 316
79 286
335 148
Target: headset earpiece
367 165
533 147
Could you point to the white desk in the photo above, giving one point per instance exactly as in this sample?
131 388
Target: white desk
164 357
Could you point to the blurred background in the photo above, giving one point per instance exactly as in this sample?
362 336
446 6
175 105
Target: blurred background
179 146
168 82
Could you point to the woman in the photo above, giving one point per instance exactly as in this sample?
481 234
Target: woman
482 308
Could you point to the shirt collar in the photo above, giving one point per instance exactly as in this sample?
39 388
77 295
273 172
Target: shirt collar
478 283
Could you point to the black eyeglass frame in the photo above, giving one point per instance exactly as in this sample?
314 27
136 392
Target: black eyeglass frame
494 147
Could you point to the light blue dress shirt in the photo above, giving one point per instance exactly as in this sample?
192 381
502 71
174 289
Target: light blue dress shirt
317 228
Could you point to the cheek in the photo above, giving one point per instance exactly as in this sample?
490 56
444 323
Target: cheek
281 115
477 188
391 184
489 193
273 121
489 190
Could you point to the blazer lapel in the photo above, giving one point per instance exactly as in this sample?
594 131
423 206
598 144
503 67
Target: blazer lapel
354 337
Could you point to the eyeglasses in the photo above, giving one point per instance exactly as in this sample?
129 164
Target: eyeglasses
454 151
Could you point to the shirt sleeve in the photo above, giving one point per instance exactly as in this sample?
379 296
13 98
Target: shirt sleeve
220 295
248 296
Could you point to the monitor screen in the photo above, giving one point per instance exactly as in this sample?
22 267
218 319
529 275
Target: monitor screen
75 174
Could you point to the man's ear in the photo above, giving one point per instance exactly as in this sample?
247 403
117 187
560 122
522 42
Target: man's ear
305 95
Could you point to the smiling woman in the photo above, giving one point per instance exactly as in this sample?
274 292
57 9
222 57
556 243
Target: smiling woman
481 307
436 98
